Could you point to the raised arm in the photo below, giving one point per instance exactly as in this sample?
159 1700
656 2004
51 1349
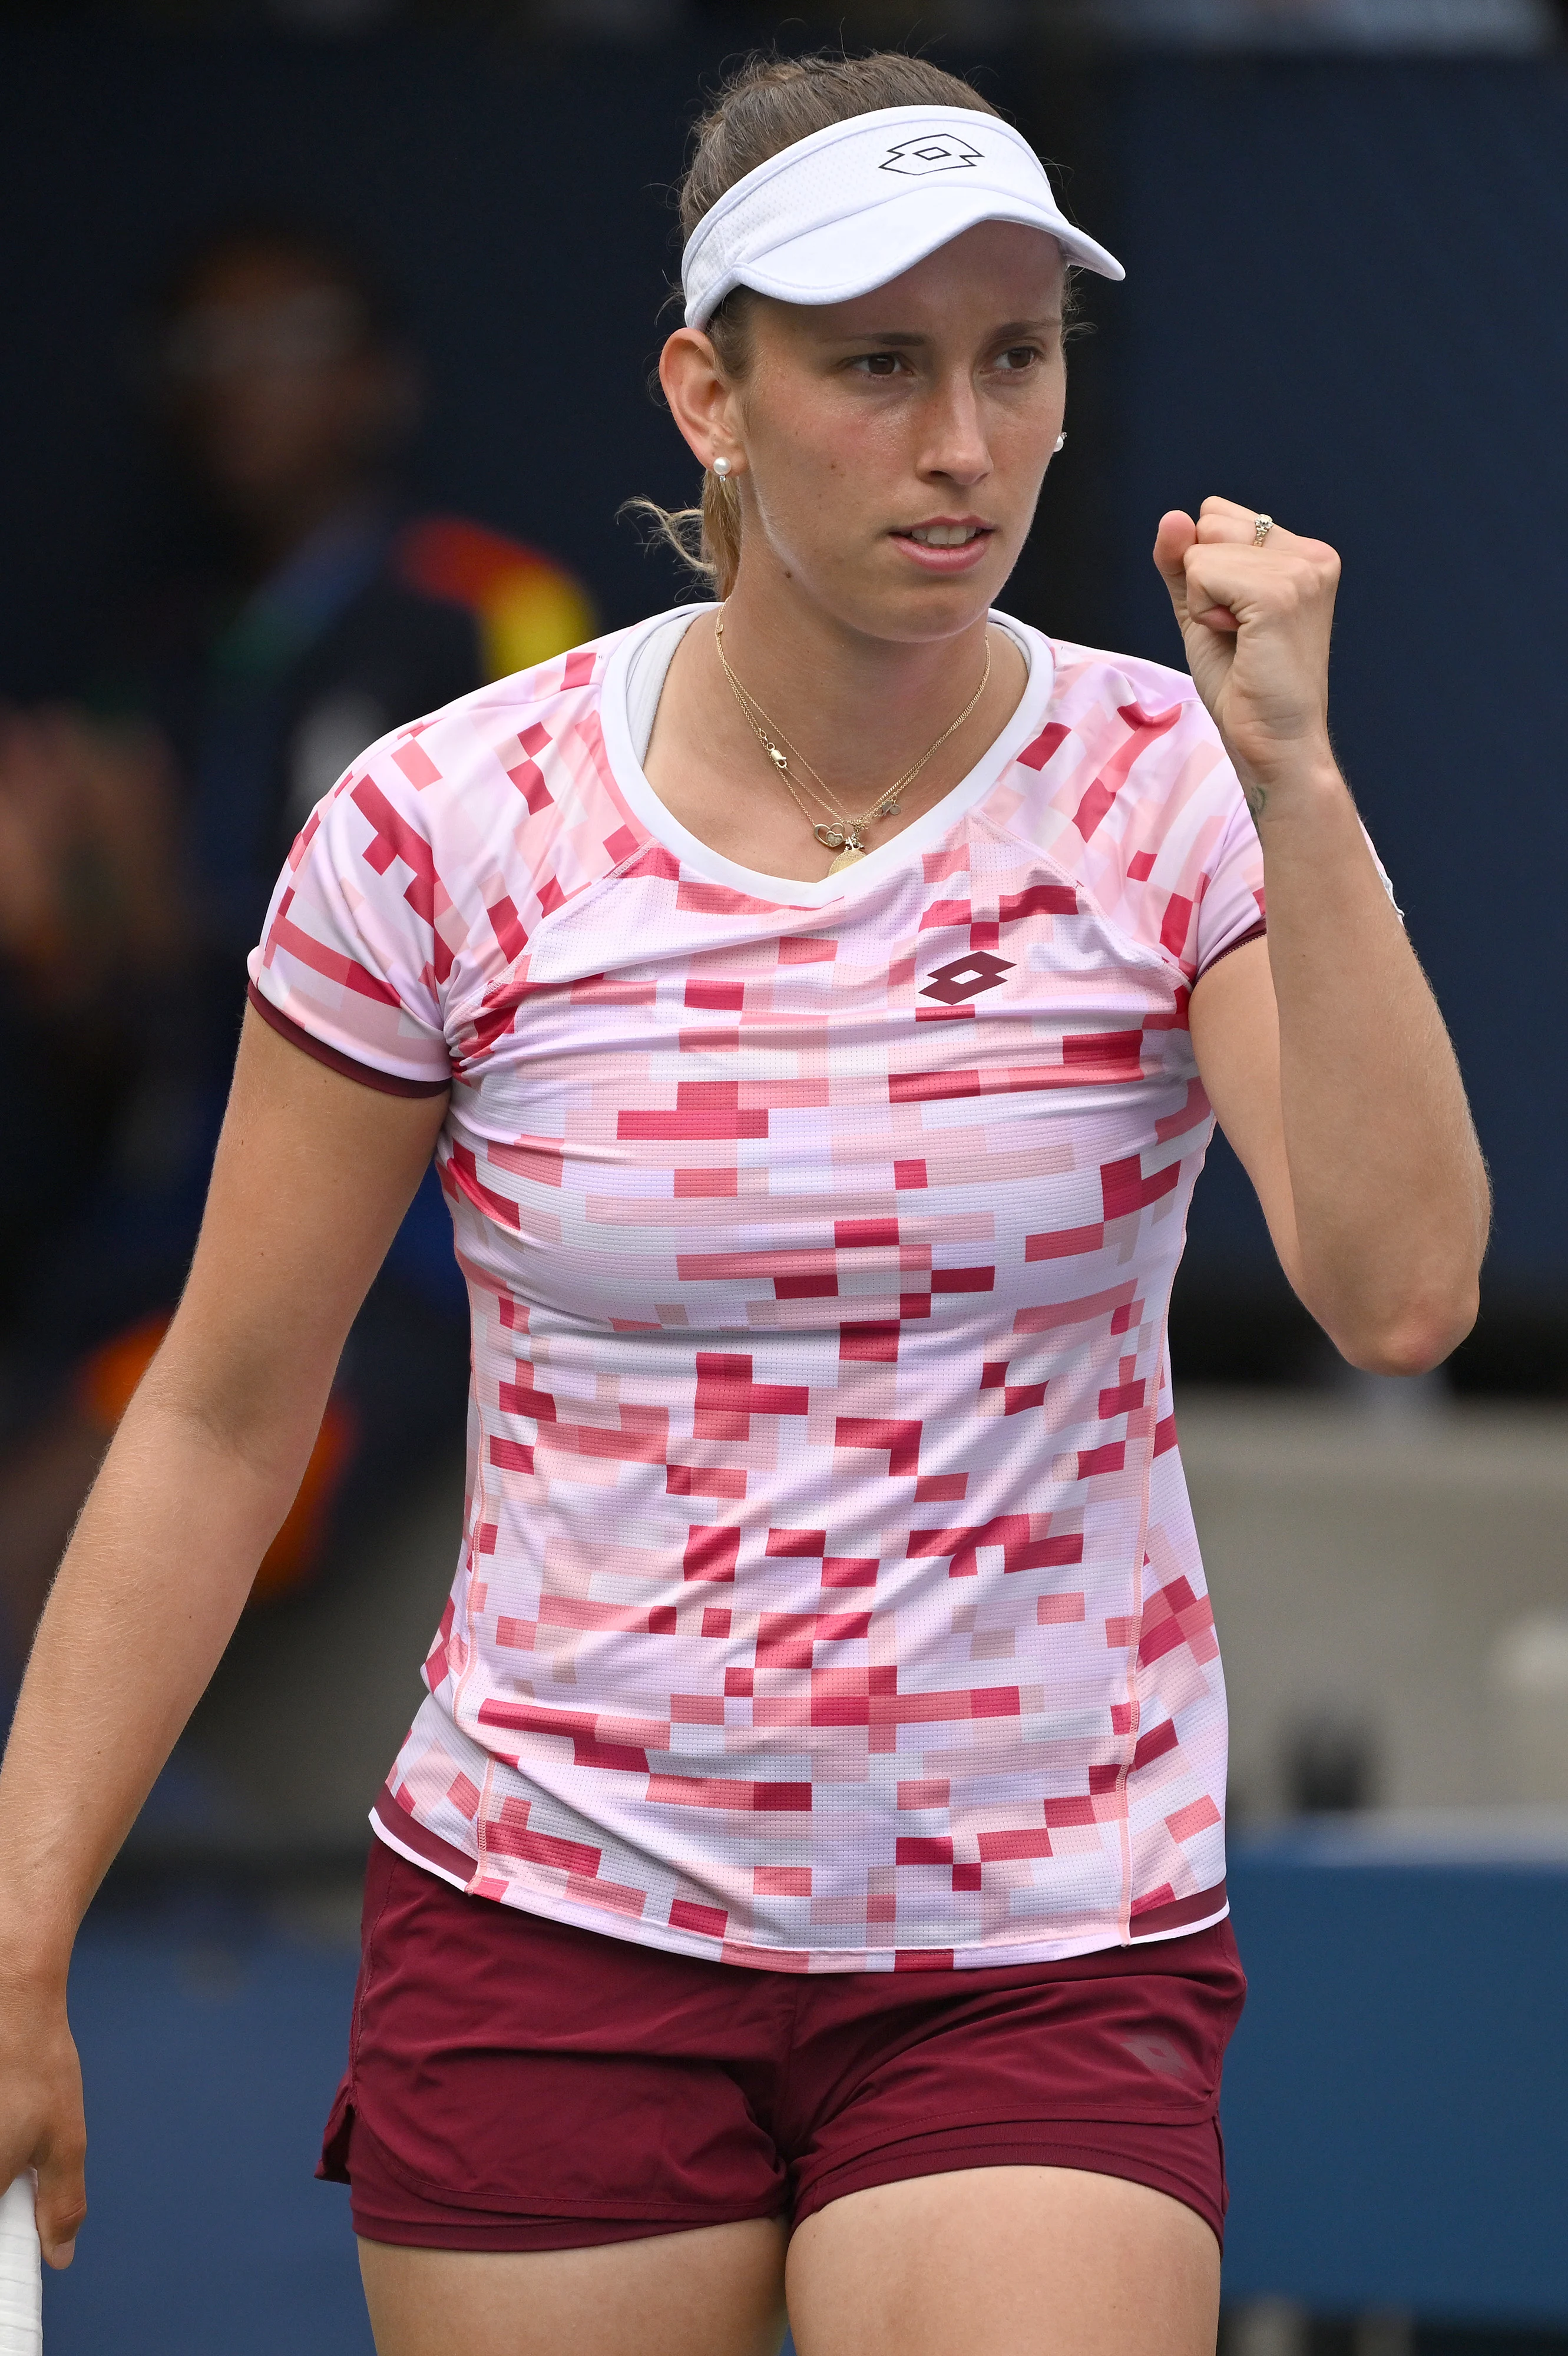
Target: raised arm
313 1174
1322 1049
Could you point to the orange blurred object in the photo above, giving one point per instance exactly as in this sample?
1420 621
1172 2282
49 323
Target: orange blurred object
104 1382
528 606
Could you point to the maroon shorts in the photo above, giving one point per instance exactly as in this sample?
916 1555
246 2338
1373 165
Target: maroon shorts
516 2083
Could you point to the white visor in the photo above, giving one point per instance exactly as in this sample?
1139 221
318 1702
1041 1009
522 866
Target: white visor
858 204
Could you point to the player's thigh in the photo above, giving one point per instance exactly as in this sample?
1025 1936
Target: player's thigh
1004 2261
715 2291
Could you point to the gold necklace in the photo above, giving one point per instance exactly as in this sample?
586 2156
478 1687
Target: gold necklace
839 832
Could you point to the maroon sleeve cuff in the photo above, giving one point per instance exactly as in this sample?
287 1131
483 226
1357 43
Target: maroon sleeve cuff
1256 934
367 1077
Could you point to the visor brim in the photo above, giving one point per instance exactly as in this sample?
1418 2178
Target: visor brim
854 256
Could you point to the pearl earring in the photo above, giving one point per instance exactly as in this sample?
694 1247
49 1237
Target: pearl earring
721 467
1060 443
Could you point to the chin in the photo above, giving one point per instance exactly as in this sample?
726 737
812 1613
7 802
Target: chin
924 610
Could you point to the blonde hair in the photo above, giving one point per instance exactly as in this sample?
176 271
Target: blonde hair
763 107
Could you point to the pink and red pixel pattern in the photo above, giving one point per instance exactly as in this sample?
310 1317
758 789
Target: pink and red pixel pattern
829 1597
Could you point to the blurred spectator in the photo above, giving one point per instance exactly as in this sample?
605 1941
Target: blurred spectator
141 832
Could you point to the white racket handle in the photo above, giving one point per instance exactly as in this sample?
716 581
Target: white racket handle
21 2272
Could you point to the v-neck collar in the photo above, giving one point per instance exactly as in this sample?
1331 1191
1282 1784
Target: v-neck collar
659 821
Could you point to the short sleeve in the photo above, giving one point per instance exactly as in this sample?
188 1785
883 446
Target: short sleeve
351 965
1230 911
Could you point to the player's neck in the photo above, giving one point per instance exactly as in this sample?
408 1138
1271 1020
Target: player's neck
860 711
860 707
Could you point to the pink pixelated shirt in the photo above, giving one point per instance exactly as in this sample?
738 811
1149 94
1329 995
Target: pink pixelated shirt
829 1598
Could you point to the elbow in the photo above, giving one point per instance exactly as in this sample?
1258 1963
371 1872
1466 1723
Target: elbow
1413 1336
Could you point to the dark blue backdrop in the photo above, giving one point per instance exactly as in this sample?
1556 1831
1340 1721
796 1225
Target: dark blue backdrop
1344 304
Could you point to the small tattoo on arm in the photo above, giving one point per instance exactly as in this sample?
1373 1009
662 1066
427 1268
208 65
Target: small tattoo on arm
1256 800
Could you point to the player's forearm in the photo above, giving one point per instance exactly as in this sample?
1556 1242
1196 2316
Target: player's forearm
1388 1189
147 1598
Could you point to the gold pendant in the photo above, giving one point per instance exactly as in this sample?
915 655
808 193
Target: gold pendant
845 858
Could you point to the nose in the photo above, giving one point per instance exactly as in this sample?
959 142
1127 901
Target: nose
956 446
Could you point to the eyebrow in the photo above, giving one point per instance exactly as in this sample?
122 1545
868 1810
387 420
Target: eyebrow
904 337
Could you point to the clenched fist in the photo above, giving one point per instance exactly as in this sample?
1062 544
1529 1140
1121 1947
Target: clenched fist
1256 622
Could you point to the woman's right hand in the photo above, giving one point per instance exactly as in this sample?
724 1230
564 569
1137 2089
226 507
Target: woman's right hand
312 1178
41 2121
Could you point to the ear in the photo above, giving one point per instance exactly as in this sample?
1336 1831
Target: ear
701 397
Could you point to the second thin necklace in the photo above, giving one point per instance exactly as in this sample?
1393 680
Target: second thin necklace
838 832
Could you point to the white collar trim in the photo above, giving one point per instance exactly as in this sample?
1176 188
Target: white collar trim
784 891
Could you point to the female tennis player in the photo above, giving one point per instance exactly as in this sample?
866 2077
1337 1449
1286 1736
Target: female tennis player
807 1867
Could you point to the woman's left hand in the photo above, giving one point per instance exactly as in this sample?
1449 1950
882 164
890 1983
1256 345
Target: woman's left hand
1256 622
1323 1051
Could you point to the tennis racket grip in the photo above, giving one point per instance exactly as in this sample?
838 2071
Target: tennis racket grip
21 2272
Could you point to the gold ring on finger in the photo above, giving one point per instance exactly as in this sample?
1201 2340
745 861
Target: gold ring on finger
1262 527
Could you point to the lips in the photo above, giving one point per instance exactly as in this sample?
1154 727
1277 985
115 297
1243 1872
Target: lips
944 531
945 543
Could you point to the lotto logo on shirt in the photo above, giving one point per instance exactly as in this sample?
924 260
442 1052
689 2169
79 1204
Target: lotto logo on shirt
966 977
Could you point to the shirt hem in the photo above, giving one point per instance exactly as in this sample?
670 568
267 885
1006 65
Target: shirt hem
1257 932
393 1824
391 1083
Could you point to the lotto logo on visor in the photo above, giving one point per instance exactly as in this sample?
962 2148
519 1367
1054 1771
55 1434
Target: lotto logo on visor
946 153
856 205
